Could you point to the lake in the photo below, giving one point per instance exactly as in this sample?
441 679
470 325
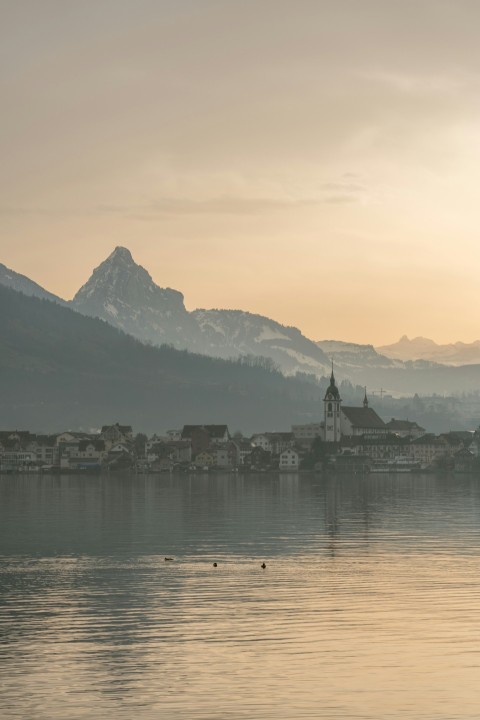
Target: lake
369 605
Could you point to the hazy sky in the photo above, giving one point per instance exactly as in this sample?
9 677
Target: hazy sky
315 161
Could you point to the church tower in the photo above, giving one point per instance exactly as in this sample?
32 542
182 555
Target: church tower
331 411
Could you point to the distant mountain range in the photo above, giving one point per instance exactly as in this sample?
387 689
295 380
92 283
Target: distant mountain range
122 293
421 348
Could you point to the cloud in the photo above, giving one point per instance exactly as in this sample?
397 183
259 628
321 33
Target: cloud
228 204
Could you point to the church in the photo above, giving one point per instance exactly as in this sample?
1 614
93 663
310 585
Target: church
342 421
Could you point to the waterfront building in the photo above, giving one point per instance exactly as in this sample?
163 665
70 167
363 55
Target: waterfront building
289 460
346 421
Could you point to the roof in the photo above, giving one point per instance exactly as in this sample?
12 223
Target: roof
364 417
402 425
332 390
243 444
97 444
214 431
381 441
428 439
121 428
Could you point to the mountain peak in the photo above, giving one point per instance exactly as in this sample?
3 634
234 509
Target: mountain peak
124 294
122 254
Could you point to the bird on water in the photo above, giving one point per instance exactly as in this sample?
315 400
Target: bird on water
214 564
263 566
166 559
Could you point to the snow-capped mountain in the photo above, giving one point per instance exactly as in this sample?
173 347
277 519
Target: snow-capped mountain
421 348
123 293
21 283
229 333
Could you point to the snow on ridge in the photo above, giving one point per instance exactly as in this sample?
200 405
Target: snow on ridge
304 359
111 309
269 333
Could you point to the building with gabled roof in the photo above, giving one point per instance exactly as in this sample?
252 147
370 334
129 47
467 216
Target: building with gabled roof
202 436
361 421
405 428
117 433
343 421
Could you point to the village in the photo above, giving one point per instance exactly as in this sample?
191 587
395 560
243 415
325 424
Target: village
350 439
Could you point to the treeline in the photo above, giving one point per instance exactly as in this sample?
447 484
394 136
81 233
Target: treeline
62 369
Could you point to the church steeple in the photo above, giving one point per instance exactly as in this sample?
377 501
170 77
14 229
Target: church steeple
331 404
332 390
365 399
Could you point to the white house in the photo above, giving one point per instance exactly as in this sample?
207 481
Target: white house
289 460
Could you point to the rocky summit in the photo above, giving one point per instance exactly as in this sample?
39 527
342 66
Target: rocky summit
124 294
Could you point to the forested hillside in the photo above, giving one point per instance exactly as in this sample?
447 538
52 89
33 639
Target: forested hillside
60 369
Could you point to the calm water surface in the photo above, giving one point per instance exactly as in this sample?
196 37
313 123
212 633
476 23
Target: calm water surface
369 606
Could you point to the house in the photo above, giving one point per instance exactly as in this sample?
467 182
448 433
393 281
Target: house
222 456
174 435
262 440
45 449
274 442
306 434
465 461
180 450
16 460
87 454
382 447
258 459
202 436
427 450
405 428
112 434
289 460
205 459
243 449
280 441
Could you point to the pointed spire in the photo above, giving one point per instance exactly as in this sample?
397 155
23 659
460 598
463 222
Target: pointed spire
332 390
365 399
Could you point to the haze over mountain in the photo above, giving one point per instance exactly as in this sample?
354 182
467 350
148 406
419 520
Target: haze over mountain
421 348
123 294
21 283
61 369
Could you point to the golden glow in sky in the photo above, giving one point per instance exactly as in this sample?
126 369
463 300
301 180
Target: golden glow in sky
313 161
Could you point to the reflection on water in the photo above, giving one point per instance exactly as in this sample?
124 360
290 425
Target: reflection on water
368 607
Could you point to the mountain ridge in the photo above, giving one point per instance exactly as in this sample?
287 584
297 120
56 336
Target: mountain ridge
421 348
123 293
16 281
59 368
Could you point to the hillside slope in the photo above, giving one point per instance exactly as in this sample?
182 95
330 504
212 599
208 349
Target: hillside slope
59 369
